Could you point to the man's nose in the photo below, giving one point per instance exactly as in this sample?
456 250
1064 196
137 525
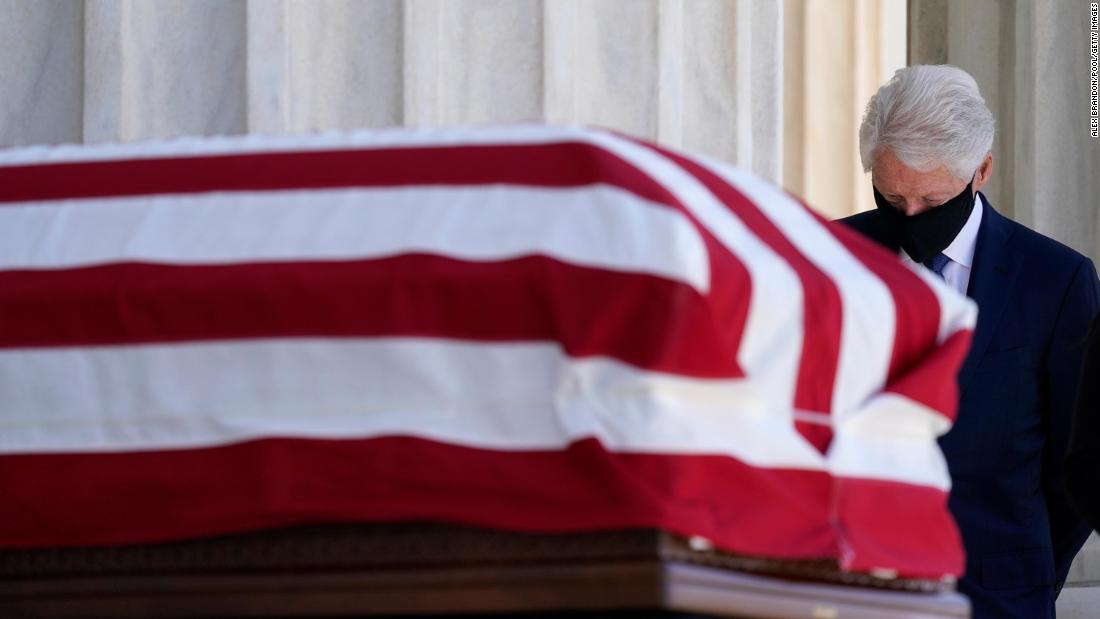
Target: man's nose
912 207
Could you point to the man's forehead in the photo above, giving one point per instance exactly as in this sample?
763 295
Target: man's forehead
891 175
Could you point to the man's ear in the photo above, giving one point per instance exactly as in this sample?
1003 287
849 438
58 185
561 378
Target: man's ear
981 176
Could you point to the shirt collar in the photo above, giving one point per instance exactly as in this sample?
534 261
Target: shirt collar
961 250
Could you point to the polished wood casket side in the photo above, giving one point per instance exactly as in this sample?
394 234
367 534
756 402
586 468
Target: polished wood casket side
410 569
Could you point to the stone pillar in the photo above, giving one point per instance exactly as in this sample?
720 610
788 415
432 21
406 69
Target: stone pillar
326 64
840 53
765 84
703 75
41 72
161 69
472 62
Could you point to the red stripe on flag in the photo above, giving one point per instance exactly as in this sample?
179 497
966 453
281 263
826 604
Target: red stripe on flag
570 164
122 498
888 523
648 321
822 305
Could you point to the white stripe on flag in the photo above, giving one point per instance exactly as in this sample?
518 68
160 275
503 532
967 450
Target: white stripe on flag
597 226
509 396
506 396
892 438
887 436
772 344
867 328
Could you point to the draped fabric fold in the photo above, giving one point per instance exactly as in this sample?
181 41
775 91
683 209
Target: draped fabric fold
529 327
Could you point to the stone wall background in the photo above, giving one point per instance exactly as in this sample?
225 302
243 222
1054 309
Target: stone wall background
777 86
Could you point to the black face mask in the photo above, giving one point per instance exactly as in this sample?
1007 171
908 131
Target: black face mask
926 234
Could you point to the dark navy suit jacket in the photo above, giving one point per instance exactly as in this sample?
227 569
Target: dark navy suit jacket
1035 300
1083 460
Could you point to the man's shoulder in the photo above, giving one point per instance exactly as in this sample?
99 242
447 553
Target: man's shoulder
1039 249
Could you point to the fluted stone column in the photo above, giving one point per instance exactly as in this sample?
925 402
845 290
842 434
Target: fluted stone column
473 62
776 86
326 64
733 94
838 54
747 81
705 74
41 72
161 69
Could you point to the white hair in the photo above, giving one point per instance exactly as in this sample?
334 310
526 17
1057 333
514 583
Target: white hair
927 116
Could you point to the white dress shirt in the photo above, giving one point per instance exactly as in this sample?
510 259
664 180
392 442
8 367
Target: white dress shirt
961 250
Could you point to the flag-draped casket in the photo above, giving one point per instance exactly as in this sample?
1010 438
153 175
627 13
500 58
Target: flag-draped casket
528 328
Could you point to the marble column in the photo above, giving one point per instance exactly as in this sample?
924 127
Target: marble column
162 69
765 84
473 62
41 76
838 55
326 64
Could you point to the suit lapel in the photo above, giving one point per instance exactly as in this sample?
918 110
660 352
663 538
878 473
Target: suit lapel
991 278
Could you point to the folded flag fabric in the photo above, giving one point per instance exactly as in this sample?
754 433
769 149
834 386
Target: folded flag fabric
532 328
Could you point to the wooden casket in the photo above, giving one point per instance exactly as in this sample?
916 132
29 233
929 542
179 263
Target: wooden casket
521 369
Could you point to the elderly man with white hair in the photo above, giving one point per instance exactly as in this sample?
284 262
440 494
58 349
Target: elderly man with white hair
926 138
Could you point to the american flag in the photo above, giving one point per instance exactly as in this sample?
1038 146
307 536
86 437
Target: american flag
531 328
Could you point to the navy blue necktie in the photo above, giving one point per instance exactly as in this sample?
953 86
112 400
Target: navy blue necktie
937 263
